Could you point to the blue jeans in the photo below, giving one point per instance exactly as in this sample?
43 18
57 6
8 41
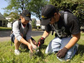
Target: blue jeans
12 37
56 44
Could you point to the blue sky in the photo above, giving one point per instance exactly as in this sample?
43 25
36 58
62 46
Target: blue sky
4 4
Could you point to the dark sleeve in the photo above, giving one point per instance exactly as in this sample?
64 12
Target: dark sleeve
75 26
32 38
48 28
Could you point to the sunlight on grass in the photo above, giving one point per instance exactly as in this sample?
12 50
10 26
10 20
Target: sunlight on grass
7 53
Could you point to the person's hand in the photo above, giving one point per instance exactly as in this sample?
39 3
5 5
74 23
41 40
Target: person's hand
33 45
30 48
40 41
61 53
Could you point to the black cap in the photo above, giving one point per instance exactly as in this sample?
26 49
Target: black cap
47 12
26 14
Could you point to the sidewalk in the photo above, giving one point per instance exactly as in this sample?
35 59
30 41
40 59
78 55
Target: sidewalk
4 39
5 36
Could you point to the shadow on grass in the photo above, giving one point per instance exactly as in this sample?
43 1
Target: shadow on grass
40 54
81 49
43 47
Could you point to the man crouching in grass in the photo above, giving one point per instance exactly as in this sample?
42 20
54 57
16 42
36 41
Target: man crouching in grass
67 32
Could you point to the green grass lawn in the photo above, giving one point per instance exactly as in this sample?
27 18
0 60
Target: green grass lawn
4 29
7 53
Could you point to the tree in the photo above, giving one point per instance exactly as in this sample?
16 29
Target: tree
76 6
13 15
34 6
33 23
5 14
16 5
79 12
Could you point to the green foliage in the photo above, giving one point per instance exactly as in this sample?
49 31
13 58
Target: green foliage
79 12
5 15
33 23
5 29
14 5
34 6
76 6
7 53
12 15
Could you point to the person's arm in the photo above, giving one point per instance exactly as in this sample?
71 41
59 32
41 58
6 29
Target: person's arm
16 31
22 40
73 40
33 45
42 39
45 34
48 28
75 31
61 53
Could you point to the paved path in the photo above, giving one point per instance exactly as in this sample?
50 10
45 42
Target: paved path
5 35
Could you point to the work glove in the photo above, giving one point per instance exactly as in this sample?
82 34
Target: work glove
40 41
61 53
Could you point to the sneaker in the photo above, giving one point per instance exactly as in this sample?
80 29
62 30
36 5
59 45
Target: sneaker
17 52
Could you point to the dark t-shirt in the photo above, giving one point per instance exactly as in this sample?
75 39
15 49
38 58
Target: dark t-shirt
62 29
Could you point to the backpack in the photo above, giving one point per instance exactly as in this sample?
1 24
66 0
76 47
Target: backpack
12 35
68 10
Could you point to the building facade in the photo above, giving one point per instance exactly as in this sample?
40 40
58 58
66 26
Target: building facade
3 21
